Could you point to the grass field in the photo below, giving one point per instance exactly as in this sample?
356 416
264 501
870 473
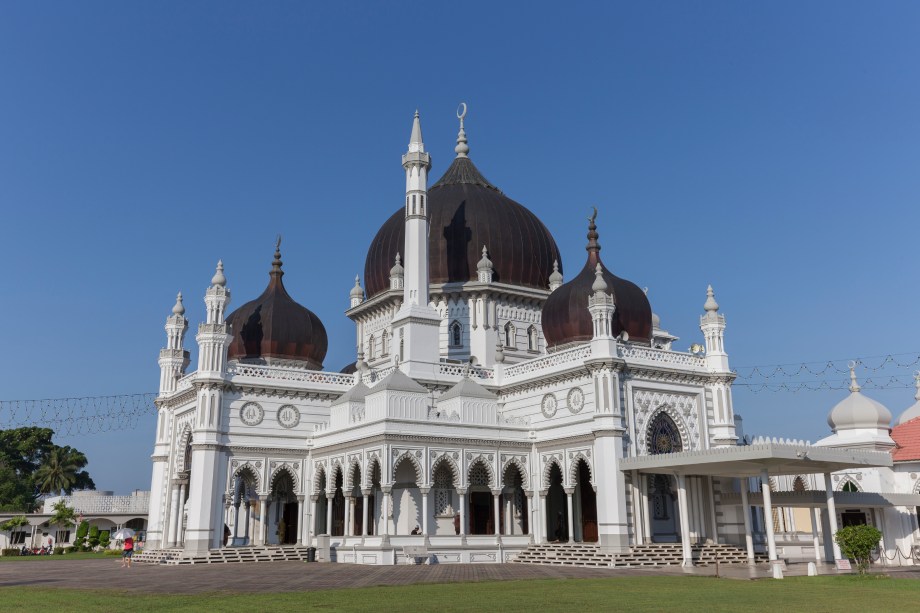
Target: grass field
82 555
790 595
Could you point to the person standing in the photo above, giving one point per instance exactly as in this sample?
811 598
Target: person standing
127 552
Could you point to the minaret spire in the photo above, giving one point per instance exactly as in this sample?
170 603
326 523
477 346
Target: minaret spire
462 148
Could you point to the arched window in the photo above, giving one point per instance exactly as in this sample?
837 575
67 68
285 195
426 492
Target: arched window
510 334
533 339
384 343
456 334
798 485
663 435
849 486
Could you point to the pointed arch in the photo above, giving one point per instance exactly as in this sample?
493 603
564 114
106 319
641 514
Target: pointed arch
419 473
335 472
547 469
480 460
369 471
295 479
353 466
799 484
573 469
445 458
456 334
848 484
319 475
666 429
533 338
241 470
510 336
517 465
183 443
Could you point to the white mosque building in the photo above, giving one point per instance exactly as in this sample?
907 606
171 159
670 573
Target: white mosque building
493 409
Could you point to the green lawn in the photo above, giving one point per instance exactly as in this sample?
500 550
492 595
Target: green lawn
81 555
811 594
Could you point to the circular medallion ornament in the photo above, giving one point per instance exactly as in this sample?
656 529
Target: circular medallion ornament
288 416
576 399
549 405
252 414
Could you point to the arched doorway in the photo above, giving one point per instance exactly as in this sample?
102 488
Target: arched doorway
283 513
338 507
407 499
357 507
663 436
373 500
481 511
514 502
444 497
585 503
557 513
319 519
245 501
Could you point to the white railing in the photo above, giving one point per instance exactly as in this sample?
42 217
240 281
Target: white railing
461 370
87 504
660 356
185 382
281 373
575 354
372 376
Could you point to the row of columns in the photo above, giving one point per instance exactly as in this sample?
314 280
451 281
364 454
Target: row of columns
176 511
262 526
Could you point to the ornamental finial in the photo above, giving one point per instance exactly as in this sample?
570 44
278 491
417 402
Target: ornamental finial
462 148
854 386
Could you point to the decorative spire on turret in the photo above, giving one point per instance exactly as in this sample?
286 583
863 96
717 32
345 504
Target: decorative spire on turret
601 306
555 278
416 144
356 295
174 359
219 279
276 272
599 286
214 334
593 246
485 267
397 273
711 306
854 385
462 149
712 325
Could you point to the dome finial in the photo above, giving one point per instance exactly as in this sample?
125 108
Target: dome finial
219 278
711 306
415 139
277 263
599 286
462 148
179 308
593 245
854 386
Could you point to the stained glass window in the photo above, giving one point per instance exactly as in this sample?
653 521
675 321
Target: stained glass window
663 436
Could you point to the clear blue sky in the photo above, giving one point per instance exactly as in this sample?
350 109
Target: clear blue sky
771 149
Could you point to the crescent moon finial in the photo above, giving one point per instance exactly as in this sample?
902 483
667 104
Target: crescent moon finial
461 114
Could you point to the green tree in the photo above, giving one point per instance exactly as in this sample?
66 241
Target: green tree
22 452
58 474
104 539
857 543
82 531
13 523
63 516
93 536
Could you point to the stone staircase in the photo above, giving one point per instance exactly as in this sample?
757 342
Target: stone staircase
651 555
224 556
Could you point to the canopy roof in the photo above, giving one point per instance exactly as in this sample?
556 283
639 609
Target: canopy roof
777 458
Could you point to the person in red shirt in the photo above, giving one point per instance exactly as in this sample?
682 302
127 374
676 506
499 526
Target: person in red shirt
127 552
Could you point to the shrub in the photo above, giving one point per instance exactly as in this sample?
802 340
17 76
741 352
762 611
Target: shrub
58 551
9 552
857 543
82 531
71 549
93 536
104 539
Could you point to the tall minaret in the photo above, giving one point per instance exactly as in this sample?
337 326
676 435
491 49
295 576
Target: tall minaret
416 324
174 359
712 324
214 335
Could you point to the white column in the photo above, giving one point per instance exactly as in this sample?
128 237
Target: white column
424 492
248 521
768 514
831 514
462 511
180 514
385 510
346 530
646 515
313 518
814 533
496 510
568 499
263 520
329 498
528 513
746 513
544 528
173 516
638 523
683 511
367 513
300 520
509 515
236 521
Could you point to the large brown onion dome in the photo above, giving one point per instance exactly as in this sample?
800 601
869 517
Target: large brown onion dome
566 318
466 213
274 327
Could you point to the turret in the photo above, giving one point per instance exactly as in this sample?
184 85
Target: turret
214 335
397 274
356 296
601 307
484 267
712 324
174 359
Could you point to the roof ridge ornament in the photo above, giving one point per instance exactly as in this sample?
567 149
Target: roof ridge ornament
854 386
462 149
593 245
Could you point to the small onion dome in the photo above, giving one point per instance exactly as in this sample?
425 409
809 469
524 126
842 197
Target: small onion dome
178 308
356 291
273 326
555 279
397 270
857 411
656 321
913 411
465 213
566 318
485 263
219 278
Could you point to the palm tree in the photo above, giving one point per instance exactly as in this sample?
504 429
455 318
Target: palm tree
63 517
58 473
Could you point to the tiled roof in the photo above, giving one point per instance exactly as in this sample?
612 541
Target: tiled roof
907 436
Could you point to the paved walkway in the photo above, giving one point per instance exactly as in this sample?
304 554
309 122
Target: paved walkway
300 576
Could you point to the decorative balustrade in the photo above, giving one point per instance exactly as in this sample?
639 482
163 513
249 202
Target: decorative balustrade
185 382
94 504
660 356
568 356
282 373
462 370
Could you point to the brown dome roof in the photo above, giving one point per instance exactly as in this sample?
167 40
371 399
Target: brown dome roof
565 314
466 213
274 326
